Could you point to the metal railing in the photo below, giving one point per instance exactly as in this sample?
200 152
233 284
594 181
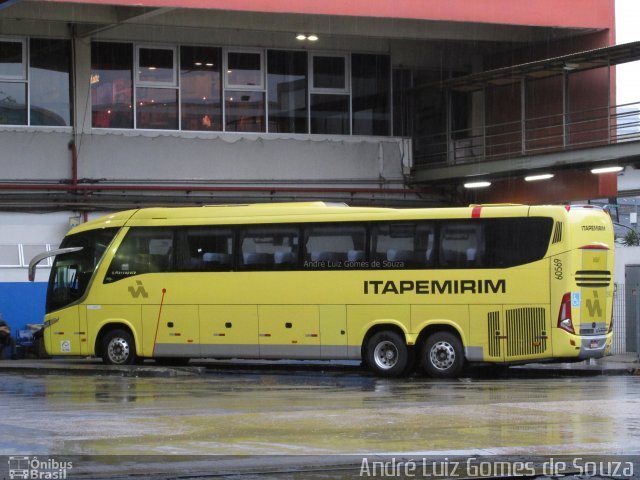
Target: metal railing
531 136
619 320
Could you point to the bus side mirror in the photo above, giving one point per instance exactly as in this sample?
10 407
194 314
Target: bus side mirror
41 256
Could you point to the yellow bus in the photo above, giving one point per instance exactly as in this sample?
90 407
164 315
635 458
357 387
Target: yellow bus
395 288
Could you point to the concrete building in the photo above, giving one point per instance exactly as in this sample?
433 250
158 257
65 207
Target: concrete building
107 105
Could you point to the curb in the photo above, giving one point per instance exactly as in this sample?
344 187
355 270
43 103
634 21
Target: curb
53 368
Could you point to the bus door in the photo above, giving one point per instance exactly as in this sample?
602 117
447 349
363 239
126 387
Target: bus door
512 332
64 332
289 331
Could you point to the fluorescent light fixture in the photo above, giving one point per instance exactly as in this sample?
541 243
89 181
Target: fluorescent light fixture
542 176
477 184
312 37
610 169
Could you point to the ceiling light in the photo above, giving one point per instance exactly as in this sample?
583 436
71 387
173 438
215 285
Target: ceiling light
477 184
611 169
312 38
301 36
542 176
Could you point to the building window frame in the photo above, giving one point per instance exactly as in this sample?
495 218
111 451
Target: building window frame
173 83
320 92
36 112
23 76
346 89
150 85
329 90
226 71
244 123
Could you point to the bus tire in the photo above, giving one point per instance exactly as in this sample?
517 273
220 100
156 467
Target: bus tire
119 348
442 355
387 354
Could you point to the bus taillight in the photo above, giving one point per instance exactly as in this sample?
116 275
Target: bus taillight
564 315
595 246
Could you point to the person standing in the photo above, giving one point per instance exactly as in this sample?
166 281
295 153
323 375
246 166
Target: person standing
7 343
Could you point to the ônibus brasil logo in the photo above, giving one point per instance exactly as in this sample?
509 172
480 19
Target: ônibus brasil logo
24 467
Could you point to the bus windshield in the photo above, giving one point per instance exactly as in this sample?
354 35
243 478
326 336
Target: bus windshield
72 271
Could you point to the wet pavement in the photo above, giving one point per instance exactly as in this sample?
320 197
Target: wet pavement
274 416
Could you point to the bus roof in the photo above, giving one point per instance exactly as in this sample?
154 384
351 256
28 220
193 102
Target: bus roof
304 211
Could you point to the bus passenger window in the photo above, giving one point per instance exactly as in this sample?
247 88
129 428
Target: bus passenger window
209 249
402 245
334 246
269 248
461 245
143 250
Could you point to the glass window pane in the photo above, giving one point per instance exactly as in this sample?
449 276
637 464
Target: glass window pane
157 108
287 86
50 82
144 250
515 241
13 103
210 249
336 246
402 245
244 111
402 104
31 250
156 65
9 256
330 114
370 93
329 72
71 272
244 69
200 88
461 245
12 62
269 248
111 85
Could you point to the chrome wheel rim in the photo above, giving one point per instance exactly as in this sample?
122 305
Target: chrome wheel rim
118 350
442 355
385 355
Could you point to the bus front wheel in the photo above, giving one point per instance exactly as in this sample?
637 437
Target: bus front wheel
442 355
118 348
387 354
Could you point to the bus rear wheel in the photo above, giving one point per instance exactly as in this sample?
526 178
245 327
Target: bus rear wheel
387 354
442 355
119 348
